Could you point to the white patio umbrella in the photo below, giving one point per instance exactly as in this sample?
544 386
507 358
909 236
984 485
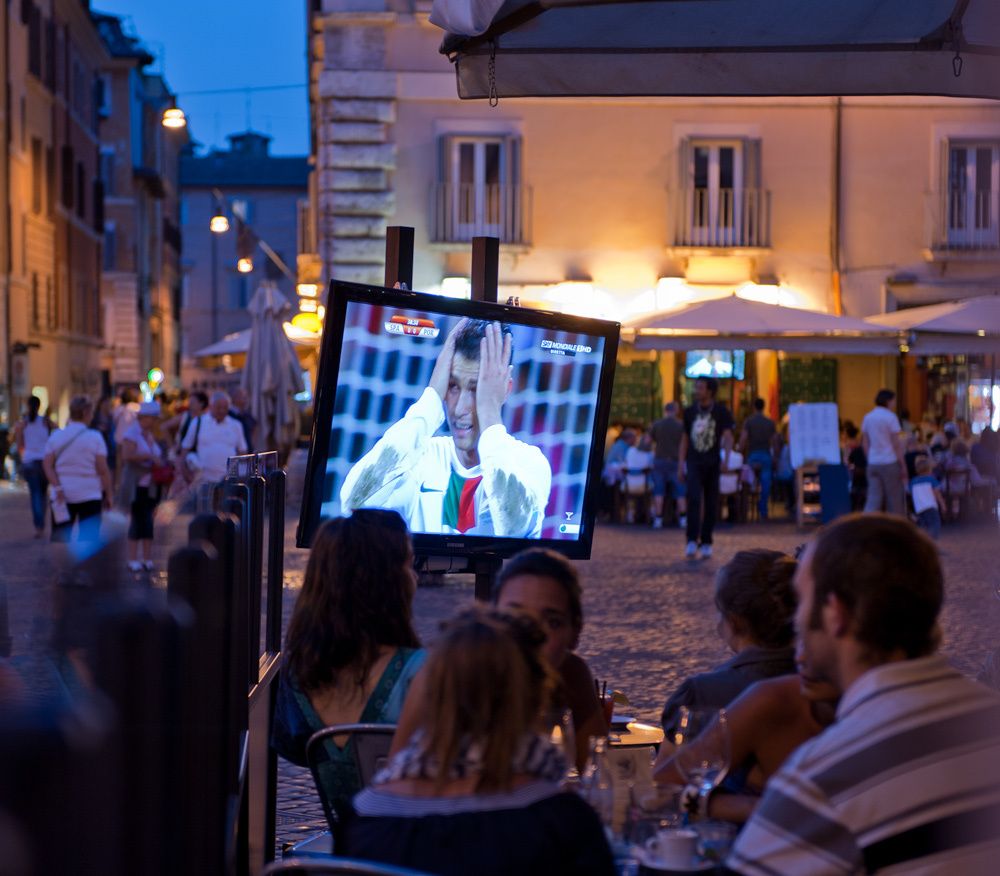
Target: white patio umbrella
971 325
519 48
734 323
272 373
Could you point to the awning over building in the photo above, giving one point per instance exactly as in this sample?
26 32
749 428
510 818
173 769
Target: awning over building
733 323
722 47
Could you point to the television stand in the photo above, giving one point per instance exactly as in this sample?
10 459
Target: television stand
485 569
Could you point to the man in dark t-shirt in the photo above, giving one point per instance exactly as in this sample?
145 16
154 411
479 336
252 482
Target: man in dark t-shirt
708 432
667 434
757 445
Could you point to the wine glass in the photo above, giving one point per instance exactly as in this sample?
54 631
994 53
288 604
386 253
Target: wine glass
561 733
703 745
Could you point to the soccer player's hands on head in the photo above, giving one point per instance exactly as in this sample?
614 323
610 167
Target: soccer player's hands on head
441 375
495 374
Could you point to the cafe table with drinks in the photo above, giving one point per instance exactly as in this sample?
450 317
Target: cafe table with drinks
656 828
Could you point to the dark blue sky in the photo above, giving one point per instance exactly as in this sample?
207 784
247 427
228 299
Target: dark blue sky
211 44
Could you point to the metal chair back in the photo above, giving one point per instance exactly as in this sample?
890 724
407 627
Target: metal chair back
338 866
370 745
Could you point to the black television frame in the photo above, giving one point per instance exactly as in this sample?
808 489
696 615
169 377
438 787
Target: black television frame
426 545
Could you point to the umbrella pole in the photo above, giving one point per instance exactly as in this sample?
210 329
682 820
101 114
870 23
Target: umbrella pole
993 379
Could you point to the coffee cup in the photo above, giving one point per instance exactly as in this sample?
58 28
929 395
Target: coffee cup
674 848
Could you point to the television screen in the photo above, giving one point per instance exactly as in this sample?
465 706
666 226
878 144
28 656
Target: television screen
715 363
482 425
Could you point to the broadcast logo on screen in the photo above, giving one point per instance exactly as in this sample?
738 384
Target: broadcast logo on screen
408 325
557 348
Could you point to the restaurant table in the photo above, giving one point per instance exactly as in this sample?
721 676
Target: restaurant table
635 734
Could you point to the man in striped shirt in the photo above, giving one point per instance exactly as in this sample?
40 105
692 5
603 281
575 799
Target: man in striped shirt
908 778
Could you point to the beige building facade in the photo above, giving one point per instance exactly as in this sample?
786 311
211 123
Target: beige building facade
620 207
53 271
139 169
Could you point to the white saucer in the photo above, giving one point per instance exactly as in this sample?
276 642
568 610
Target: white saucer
642 855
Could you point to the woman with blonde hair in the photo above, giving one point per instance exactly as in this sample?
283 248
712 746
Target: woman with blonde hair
477 787
351 651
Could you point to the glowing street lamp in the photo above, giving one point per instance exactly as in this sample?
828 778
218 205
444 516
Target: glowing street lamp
174 117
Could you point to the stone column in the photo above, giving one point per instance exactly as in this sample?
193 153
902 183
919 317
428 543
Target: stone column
356 158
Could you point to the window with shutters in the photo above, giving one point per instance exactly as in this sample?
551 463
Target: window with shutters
971 195
37 174
720 202
479 190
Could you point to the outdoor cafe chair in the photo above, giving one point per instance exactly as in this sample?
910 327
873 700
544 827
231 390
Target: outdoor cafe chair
957 491
335 865
370 745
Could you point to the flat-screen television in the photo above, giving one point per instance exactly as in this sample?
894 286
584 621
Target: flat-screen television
482 424
715 363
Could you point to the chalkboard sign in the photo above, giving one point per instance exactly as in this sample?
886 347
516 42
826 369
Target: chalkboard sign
806 380
637 396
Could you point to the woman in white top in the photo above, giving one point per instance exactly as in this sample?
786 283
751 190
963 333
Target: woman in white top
140 452
76 464
30 436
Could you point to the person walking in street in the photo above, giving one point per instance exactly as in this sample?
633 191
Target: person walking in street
705 447
757 442
667 433
30 435
884 451
212 439
137 492
104 422
76 465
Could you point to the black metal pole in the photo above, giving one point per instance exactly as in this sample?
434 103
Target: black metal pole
399 256
485 268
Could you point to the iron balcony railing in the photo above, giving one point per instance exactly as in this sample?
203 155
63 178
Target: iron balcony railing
460 212
964 220
725 218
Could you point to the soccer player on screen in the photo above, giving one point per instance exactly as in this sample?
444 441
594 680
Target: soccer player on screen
479 480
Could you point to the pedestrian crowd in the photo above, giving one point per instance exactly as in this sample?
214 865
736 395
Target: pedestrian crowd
696 458
126 454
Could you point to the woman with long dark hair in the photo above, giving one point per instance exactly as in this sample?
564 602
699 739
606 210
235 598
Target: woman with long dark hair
351 651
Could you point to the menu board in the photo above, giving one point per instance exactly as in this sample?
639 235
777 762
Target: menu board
814 433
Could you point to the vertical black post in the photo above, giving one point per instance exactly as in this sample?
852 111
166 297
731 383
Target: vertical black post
6 642
275 560
399 256
485 268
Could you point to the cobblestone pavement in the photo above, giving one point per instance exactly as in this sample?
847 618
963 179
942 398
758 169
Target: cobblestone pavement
650 619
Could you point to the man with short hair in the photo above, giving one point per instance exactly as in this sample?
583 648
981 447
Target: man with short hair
907 780
212 439
884 451
708 436
667 433
479 479
757 441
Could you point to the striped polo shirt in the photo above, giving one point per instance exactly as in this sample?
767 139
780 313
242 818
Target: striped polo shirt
906 781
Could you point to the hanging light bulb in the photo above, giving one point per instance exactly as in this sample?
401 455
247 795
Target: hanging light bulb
244 265
219 223
174 117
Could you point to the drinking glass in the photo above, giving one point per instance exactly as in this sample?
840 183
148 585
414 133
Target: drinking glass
560 730
703 747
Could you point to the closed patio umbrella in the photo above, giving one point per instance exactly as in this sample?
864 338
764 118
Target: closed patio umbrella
272 374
